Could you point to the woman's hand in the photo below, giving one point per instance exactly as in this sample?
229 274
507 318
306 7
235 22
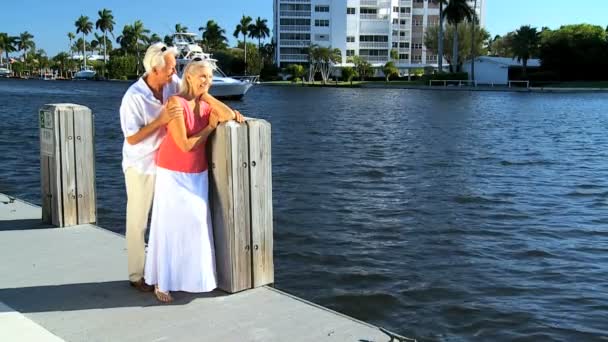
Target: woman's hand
214 120
238 116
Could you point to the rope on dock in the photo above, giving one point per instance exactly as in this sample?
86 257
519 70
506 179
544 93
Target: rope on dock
395 337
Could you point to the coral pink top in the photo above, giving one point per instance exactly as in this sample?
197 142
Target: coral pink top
171 157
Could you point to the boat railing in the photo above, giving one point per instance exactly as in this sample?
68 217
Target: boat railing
247 78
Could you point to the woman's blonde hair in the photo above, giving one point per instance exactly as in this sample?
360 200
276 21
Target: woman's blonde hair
191 68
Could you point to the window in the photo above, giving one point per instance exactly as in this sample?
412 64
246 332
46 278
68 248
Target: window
350 53
402 34
404 45
395 44
367 10
285 21
321 37
321 22
395 9
417 22
295 36
321 8
405 10
351 10
373 38
403 22
383 53
404 56
350 39
395 21
416 58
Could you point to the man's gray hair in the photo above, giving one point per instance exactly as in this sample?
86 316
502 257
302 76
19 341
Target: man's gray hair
155 56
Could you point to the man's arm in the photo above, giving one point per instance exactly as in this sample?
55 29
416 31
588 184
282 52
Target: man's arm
132 124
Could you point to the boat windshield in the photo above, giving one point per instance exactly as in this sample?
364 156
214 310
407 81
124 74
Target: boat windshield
184 39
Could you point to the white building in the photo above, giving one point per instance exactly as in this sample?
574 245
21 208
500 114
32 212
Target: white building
495 70
367 28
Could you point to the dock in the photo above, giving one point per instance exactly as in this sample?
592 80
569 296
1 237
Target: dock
70 284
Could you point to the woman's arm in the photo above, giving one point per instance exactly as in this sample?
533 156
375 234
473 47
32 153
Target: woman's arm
222 111
177 129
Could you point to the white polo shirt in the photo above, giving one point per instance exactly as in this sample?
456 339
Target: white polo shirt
139 107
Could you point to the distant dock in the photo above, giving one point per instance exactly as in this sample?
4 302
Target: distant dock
69 284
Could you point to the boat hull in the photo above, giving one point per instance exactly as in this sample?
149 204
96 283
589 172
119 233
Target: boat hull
230 90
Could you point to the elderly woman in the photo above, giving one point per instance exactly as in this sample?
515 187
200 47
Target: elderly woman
180 248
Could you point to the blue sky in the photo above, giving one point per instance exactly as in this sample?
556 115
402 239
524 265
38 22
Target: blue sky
50 20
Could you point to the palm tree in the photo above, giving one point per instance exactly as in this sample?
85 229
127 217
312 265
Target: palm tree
85 26
244 27
180 29
71 36
473 42
456 12
7 44
260 31
213 36
155 38
440 39
24 43
105 23
525 44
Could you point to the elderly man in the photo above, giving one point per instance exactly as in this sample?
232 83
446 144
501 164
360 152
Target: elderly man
143 118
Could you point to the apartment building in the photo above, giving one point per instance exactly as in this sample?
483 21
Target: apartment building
367 28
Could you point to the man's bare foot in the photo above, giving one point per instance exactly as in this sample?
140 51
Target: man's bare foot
164 297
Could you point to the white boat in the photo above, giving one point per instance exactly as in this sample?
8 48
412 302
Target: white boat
4 72
234 87
85 74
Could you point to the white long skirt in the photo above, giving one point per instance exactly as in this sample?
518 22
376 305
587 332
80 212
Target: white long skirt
181 256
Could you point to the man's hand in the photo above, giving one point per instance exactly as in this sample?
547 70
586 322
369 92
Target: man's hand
170 111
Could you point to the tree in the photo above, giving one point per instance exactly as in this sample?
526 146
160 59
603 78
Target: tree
105 23
501 46
389 70
575 52
71 36
363 68
154 38
213 36
133 39
348 73
456 12
323 60
244 27
260 31
180 29
25 43
8 44
394 54
440 35
464 37
473 22
525 45
85 26
296 71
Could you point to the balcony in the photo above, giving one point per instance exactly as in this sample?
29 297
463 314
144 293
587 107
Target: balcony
295 13
301 28
373 16
375 59
298 43
373 45
405 15
294 58
401 27
372 3
405 3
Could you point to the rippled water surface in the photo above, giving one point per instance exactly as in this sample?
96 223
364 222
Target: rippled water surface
439 215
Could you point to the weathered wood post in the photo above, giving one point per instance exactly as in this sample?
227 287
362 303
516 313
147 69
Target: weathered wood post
241 200
67 165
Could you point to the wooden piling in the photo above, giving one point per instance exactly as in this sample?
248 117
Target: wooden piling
241 200
67 165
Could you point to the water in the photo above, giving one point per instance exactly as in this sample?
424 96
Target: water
440 215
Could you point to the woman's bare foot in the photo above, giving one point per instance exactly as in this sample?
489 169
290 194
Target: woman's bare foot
164 297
